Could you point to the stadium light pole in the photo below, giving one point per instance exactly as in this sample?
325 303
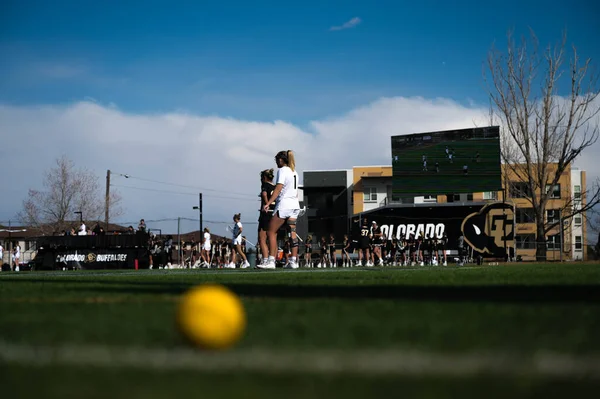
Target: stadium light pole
107 197
199 208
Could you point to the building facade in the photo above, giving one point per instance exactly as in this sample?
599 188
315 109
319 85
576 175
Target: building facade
334 197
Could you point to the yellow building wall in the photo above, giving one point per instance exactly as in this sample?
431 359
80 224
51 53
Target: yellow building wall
361 172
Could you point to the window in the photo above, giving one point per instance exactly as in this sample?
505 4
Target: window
578 220
370 194
553 242
525 215
490 195
552 215
578 243
525 241
470 197
430 198
519 190
453 198
555 190
577 192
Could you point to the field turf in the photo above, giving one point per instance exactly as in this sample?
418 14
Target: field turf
526 330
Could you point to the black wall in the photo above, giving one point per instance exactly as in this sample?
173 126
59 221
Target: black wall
326 196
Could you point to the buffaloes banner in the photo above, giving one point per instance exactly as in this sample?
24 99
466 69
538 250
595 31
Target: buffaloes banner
117 258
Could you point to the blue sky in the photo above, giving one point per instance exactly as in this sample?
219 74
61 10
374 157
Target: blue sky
263 60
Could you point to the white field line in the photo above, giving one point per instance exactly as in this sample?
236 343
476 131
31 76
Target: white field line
361 362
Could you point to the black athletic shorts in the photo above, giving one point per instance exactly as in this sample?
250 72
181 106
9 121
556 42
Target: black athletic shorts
365 243
263 221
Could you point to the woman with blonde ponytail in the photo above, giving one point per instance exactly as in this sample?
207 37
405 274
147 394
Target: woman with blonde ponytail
287 208
291 160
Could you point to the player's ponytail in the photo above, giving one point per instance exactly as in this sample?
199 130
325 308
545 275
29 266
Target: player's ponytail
291 160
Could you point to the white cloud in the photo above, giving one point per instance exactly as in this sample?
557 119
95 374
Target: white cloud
213 153
346 25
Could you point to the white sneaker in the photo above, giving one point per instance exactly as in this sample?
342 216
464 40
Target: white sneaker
245 265
319 266
291 265
445 264
380 263
369 264
267 265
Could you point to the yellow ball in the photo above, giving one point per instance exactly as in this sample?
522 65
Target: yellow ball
211 316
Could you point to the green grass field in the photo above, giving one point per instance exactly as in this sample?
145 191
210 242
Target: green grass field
495 331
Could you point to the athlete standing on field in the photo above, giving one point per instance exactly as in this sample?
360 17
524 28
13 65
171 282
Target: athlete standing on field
266 191
308 251
287 208
331 246
236 245
364 244
346 262
206 248
377 242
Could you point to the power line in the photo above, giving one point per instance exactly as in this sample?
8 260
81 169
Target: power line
187 186
182 193
175 219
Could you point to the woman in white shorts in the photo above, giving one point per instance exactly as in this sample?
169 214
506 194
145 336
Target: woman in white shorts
287 208
236 246
206 246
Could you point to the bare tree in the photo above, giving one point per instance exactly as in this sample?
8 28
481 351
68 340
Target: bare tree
67 190
543 132
594 232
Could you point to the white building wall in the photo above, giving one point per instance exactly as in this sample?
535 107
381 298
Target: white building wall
26 255
380 186
349 186
577 228
384 194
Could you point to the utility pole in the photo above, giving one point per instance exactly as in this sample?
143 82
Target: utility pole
178 241
10 249
199 208
107 200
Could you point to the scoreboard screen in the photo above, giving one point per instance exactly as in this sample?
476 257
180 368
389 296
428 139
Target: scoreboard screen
445 162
